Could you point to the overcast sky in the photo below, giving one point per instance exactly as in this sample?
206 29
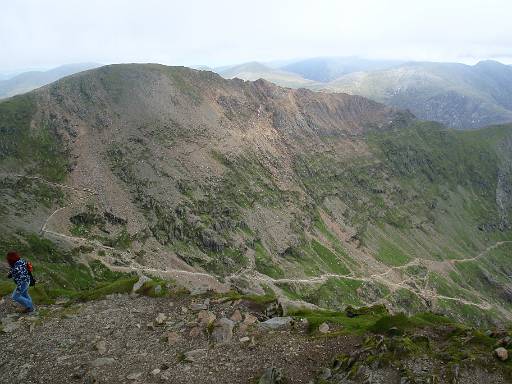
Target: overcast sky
39 34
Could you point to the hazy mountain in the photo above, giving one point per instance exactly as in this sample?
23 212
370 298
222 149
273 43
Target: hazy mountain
333 199
457 95
325 69
254 71
27 81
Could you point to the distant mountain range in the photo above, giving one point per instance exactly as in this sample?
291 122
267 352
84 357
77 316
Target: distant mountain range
325 69
28 81
457 95
254 71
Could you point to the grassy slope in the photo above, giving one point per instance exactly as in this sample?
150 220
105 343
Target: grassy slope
38 150
424 193
60 276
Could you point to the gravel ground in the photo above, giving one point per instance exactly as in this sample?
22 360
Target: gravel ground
109 341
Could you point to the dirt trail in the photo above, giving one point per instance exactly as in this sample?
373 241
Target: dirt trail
202 280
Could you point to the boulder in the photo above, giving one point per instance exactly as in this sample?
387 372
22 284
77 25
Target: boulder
325 373
138 285
323 328
160 319
271 376
250 319
236 316
134 376
223 330
195 355
501 353
277 323
172 338
196 307
102 361
10 327
287 306
101 347
205 318
195 332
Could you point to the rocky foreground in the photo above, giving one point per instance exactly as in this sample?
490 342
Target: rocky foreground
212 339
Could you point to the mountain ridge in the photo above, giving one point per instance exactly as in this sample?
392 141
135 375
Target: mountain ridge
457 95
27 81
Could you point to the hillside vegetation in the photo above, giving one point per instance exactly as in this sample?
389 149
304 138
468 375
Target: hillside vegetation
329 198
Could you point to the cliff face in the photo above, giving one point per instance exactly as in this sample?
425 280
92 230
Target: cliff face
329 198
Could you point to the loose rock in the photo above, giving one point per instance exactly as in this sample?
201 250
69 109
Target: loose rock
196 307
236 316
101 347
172 337
195 332
138 285
277 323
205 318
134 376
271 376
501 353
223 330
160 319
250 319
323 328
102 361
195 355
325 373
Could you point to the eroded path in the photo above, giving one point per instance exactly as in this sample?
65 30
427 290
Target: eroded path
203 280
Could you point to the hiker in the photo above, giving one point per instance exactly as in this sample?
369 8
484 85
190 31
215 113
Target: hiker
20 272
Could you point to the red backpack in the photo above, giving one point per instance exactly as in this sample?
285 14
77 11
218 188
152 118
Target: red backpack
29 267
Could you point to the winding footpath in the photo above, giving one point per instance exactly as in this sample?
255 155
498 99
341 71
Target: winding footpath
250 271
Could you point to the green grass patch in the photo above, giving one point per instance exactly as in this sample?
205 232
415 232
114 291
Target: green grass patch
359 324
336 293
264 263
330 259
391 255
267 298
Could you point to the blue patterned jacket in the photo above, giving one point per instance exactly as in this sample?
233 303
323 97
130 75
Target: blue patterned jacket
19 272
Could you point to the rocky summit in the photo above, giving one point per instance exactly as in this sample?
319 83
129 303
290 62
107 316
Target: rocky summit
188 228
